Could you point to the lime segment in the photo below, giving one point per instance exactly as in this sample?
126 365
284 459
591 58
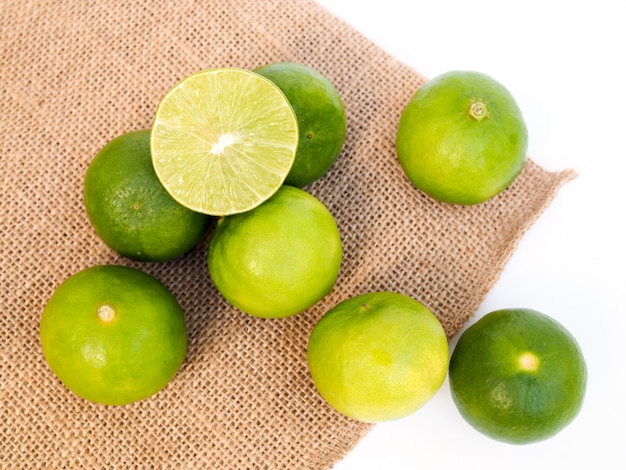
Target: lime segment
223 141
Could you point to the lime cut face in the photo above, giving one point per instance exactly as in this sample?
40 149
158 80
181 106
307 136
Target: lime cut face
224 140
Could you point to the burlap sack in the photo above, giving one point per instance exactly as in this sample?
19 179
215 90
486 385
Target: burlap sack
73 75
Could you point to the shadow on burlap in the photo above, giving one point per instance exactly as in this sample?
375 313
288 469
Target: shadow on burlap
73 75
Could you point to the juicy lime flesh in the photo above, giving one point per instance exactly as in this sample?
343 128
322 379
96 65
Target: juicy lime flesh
518 376
321 119
113 335
224 140
130 210
462 138
378 356
279 258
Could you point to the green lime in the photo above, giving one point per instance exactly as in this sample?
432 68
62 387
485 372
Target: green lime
518 376
279 258
224 140
129 208
378 356
321 118
113 334
462 138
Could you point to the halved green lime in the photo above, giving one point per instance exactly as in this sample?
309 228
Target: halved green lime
223 140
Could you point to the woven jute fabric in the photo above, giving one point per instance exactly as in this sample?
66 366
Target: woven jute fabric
74 75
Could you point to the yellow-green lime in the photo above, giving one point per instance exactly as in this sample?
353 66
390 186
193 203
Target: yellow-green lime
129 208
462 138
223 140
378 356
518 376
321 118
113 334
278 259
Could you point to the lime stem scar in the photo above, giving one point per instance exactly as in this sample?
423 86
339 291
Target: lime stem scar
478 110
528 362
106 313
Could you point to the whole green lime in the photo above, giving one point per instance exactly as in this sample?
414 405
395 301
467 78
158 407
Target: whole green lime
113 334
378 356
321 118
462 138
130 210
518 376
279 258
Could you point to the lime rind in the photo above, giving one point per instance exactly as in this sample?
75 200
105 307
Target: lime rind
224 140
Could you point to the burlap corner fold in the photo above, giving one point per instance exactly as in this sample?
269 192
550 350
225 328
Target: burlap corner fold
73 75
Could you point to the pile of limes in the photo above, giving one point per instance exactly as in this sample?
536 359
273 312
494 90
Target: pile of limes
230 149
236 147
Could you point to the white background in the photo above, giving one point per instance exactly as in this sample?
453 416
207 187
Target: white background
564 63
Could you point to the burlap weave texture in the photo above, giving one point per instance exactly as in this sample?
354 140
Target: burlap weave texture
74 75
